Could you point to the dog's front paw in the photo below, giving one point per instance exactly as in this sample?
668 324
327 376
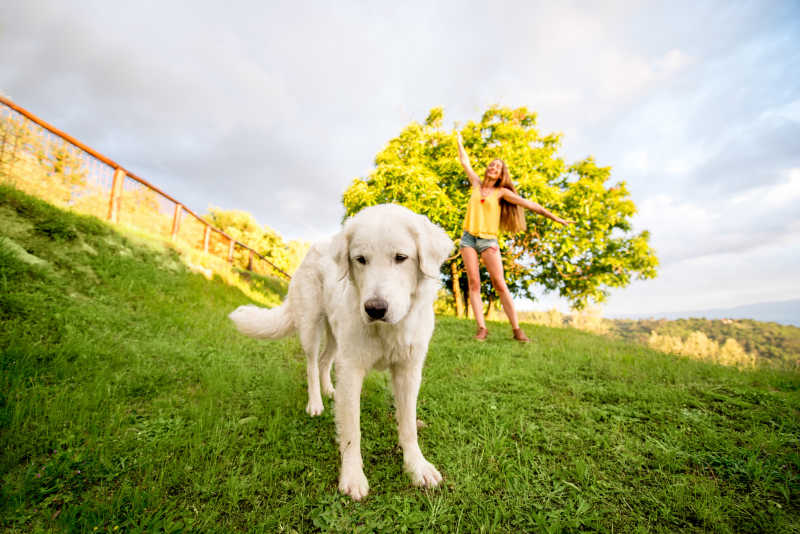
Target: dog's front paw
354 484
314 408
424 474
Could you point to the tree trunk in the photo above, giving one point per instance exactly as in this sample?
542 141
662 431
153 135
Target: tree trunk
457 295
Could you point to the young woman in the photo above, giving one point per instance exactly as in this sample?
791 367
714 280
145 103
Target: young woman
493 206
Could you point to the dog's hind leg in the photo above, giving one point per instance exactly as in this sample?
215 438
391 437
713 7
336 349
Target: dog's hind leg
311 331
326 362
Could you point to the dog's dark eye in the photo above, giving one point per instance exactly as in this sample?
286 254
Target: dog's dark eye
361 259
400 258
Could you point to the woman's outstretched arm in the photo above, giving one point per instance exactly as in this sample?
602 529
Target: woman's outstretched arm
464 160
510 196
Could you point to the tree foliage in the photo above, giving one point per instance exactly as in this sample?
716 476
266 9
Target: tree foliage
419 169
772 342
699 346
243 227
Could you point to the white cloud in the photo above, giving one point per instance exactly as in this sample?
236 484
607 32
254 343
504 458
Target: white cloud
671 64
624 72
790 111
677 227
772 196
635 161
761 274
682 229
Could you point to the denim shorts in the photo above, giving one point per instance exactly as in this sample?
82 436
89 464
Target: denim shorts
478 243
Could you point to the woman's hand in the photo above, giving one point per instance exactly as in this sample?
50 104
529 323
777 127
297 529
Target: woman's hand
565 222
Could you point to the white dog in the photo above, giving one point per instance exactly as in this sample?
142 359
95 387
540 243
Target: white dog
368 295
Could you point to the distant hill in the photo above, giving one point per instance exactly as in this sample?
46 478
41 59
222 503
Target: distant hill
783 312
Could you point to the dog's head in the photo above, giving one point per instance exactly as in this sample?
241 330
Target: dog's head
388 251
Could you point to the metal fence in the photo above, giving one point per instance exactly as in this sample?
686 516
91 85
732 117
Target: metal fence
52 164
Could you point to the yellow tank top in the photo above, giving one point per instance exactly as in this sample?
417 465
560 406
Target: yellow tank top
483 218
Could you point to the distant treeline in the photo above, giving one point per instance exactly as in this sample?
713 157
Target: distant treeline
774 342
740 342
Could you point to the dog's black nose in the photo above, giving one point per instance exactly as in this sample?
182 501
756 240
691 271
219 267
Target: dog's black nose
376 308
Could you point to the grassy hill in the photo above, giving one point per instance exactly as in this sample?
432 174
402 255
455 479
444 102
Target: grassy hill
129 403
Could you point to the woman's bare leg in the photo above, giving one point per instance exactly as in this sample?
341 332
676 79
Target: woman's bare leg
494 264
472 265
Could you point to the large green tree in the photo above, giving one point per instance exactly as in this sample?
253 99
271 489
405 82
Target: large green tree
419 169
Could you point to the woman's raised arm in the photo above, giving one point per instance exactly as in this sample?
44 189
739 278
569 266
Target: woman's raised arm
510 196
464 160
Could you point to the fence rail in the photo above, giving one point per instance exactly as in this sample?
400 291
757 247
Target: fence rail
107 175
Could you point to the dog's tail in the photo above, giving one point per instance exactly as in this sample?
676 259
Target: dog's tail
263 323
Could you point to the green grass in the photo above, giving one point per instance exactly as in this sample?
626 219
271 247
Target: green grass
129 402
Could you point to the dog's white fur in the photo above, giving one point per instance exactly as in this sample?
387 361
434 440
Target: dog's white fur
327 304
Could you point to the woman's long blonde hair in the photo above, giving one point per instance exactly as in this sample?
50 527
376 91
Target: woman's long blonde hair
512 216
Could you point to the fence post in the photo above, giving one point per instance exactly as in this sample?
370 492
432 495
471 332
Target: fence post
116 189
250 262
5 135
176 221
206 235
230 250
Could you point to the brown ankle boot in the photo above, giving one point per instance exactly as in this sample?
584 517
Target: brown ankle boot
520 336
482 333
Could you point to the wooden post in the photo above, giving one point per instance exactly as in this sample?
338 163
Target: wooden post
230 251
250 262
3 142
206 235
176 221
116 190
14 155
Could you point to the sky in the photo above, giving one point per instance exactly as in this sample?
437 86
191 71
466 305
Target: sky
275 107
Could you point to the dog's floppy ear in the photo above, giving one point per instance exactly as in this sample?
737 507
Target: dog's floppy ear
340 251
433 246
